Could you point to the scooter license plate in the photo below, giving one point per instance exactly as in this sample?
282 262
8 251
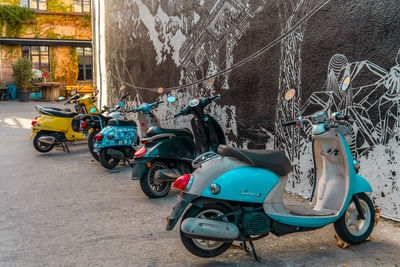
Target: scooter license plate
182 201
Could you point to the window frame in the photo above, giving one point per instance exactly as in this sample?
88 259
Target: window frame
40 54
84 69
82 6
37 8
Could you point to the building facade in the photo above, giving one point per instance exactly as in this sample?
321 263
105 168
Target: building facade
56 36
251 52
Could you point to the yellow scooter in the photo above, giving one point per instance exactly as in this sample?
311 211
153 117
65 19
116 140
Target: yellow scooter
56 127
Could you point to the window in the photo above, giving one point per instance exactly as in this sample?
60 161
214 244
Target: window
36 4
81 6
85 63
39 55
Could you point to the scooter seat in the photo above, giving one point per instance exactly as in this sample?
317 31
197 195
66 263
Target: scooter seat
272 160
155 130
121 123
58 113
59 109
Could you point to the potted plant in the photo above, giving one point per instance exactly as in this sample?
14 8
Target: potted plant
22 73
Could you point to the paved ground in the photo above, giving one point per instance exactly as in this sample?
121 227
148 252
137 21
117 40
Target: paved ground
64 209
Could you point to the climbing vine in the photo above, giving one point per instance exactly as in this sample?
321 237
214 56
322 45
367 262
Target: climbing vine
53 64
13 18
69 68
58 6
11 2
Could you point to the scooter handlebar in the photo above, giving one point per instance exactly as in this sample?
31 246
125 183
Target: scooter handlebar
289 123
177 115
215 97
125 96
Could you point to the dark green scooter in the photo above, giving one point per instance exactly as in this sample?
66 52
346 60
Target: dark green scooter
166 154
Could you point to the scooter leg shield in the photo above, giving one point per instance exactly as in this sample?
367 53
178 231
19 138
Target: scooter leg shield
210 229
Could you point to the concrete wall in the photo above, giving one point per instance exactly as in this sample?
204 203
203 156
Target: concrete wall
268 47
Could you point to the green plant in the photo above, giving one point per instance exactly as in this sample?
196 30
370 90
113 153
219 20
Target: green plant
22 72
58 6
13 18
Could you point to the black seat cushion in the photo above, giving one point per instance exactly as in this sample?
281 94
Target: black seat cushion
155 130
59 109
58 113
272 160
121 123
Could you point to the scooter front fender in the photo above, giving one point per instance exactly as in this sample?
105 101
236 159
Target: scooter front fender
360 185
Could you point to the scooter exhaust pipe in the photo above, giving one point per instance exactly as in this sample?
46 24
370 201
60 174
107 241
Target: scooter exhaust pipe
167 175
116 154
47 139
209 229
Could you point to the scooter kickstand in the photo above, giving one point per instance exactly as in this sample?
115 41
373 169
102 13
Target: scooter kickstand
65 146
258 259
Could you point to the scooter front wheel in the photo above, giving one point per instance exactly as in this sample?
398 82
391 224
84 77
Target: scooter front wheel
91 144
150 186
199 247
39 146
107 161
350 228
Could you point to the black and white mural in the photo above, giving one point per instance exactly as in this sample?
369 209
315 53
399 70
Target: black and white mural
251 52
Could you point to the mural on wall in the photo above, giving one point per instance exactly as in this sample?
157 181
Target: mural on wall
195 48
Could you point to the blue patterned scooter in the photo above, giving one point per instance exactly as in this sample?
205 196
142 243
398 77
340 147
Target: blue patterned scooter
119 140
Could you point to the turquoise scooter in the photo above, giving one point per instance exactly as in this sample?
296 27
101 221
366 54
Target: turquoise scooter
236 195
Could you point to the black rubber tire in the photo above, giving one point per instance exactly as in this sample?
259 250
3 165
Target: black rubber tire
106 161
38 147
147 181
342 230
91 143
193 211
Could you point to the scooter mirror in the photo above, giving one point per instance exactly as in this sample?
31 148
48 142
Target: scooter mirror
121 104
92 110
171 99
96 92
290 94
61 98
346 83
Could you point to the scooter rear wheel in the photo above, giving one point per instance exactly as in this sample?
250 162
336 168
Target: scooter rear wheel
199 247
39 146
350 228
150 186
107 161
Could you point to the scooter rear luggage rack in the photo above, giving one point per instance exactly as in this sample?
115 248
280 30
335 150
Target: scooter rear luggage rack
204 158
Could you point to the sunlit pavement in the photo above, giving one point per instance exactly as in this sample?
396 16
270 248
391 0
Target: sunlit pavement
65 209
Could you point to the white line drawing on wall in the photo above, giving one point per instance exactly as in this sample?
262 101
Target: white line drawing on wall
199 49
